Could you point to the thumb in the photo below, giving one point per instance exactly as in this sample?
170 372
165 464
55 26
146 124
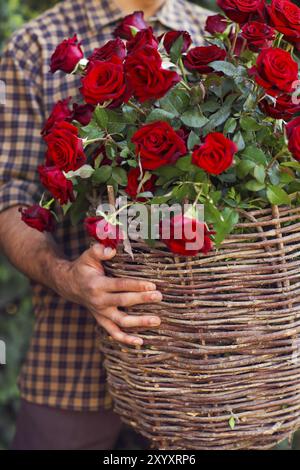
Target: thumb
98 252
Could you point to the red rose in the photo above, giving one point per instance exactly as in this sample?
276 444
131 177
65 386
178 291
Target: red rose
132 188
83 113
258 35
38 217
115 47
66 56
157 144
145 74
105 233
284 108
105 81
171 37
285 17
216 153
141 39
58 185
293 133
65 149
60 112
185 236
242 11
198 58
216 24
133 22
275 71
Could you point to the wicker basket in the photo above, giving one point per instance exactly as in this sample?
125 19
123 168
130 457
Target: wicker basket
223 370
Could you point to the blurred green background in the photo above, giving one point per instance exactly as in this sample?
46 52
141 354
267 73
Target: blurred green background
15 308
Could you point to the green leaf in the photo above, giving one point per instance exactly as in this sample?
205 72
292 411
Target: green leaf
229 218
255 154
176 49
79 208
119 175
295 165
254 185
91 131
244 167
231 423
249 124
226 67
176 101
193 118
130 114
239 140
116 122
193 140
184 163
277 195
159 114
102 174
259 173
101 117
230 126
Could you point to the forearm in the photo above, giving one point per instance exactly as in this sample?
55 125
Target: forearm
33 253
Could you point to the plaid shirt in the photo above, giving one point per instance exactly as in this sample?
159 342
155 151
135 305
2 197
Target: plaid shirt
63 367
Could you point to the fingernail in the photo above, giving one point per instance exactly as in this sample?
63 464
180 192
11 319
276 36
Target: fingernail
154 321
156 296
108 251
138 342
150 286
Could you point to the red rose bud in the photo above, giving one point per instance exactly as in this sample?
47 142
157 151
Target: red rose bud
115 47
105 81
171 37
60 112
238 43
198 58
135 21
66 56
185 236
275 71
141 39
39 218
216 24
242 11
157 144
285 17
83 113
145 75
133 184
258 35
65 148
216 153
283 108
57 184
105 233
293 134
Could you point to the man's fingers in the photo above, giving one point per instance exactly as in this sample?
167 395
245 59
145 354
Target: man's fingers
128 285
114 331
129 299
130 321
97 253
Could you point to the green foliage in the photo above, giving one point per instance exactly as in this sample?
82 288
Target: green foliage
15 327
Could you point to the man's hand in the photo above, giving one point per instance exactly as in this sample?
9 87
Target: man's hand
82 281
85 283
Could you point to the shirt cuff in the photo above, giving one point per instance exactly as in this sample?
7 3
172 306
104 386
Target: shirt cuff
18 192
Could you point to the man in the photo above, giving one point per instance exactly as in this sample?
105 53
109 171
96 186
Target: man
65 404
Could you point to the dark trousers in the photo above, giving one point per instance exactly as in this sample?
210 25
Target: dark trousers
45 428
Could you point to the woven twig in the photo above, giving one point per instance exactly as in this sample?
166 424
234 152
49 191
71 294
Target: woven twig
228 346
